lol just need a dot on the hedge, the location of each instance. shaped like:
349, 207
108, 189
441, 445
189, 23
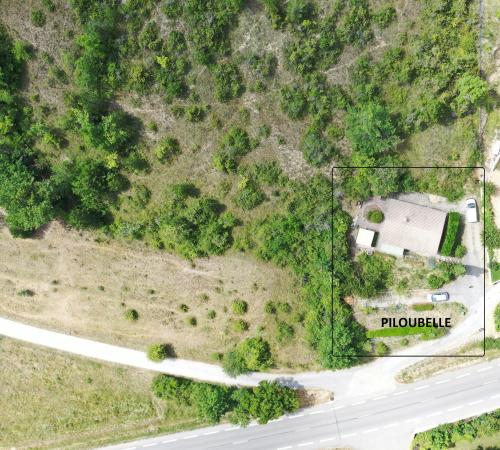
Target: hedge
423, 307
399, 331
451, 235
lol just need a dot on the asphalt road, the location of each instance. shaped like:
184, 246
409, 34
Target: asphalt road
386, 422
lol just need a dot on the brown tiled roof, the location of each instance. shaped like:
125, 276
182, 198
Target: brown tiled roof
412, 227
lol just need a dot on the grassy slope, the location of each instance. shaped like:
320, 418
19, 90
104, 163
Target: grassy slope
52, 400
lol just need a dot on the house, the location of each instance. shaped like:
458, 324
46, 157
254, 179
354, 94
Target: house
410, 227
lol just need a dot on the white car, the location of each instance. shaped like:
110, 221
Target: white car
471, 210
438, 297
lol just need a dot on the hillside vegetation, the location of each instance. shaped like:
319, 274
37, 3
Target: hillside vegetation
201, 126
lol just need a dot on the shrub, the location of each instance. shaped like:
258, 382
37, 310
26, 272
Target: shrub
26, 293
375, 216
422, 307
167, 150
252, 354
284, 307
211, 314
195, 113
191, 321
173, 388
239, 306
234, 145
131, 314
248, 195
228, 81
183, 307
293, 102
316, 149
38, 18
460, 251
374, 274
172, 8
385, 16
270, 307
285, 332
435, 281
381, 349
158, 352
49, 5
451, 234
240, 325
497, 317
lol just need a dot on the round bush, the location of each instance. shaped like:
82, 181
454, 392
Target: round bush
375, 216
131, 314
270, 307
240, 325
239, 307
381, 349
211, 314
192, 321
460, 251
158, 352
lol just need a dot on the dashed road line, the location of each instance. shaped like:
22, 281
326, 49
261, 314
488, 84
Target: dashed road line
425, 386
370, 430
296, 416
391, 425
462, 376
380, 398
358, 403
211, 432
232, 429
190, 437
476, 402
284, 448
150, 445
443, 381
455, 408
400, 393
434, 414
169, 441
495, 396
244, 441
130, 448
317, 412
327, 439
339, 407
305, 444
484, 369
349, 435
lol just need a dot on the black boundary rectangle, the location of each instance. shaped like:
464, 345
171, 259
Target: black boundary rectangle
484, 259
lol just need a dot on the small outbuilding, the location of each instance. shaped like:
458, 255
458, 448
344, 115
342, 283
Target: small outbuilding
365, 237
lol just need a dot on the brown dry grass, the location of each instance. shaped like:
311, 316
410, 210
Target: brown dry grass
53, 400
83, 287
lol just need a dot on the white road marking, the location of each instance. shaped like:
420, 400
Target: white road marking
304, 444
296, 416
349, 435
476, 402
455, 408
434, 414
169, 441
211, 432
462, 376
358, 403
240, 442
443, 381
150, 445
339, 407
380, 398
274, 420
370, 430
425, 386
317, 412
328, 439
495, 396
391, 425
484, 369
130, 448
232, 429
284, 448
400, 393
190, 437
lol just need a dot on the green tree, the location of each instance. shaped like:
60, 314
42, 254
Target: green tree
228, 81
271, 400
158, 352
212, 401
316, 149
471, 90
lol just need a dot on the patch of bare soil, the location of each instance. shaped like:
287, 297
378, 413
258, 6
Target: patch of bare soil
83, 287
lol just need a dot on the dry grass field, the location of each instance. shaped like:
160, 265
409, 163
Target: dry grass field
95, 403
83, 287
